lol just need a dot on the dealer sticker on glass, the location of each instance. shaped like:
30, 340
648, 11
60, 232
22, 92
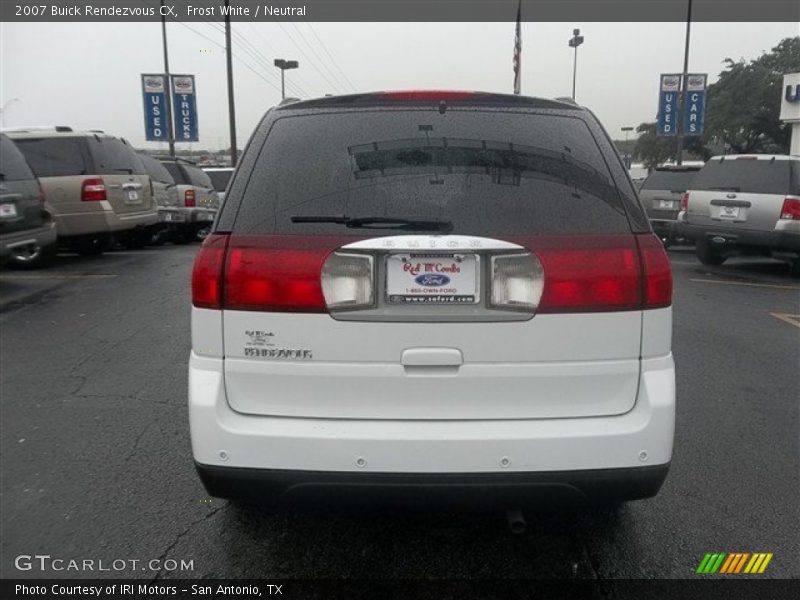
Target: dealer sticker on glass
432, 278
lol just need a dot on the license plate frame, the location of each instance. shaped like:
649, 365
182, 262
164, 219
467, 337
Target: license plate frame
432, 279
8, 210
729, 212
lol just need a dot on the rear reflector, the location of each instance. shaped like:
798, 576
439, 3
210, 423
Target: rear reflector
791, 208
93, 190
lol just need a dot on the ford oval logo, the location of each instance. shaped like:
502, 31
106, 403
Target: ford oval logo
432, 280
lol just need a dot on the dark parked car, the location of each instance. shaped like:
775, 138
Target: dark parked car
661, 195
27, 228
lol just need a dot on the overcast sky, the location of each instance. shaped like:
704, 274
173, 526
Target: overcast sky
87, 75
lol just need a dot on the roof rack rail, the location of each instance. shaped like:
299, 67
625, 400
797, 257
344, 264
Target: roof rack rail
288, 100
568, 100
21, 129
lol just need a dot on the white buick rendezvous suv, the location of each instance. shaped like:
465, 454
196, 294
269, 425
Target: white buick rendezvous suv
448, 296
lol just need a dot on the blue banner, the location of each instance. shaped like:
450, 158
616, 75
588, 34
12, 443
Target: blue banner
669, 92
155, 107
184, 108
694, 110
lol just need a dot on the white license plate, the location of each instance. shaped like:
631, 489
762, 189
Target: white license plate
205, 217
729, 212
172, 217
132, 197
668, 204
8, 211
432, 278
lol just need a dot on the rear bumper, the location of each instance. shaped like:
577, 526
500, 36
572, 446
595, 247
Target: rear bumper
779, 239
555, 488
223, 439
42, 236
102, 220
186, 216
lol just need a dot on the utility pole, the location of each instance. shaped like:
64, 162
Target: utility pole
682, 103
574, 42
231, 107
167, 85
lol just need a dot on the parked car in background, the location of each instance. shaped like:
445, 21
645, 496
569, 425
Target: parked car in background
744, 204
435, 304
196, 200
95, 184
220, 177
661, 195
27, 229
165, 193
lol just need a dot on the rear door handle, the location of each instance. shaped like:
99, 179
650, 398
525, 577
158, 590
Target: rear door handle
432, 357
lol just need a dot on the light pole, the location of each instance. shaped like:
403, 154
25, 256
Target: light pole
628, 155
283, 65
682, 103
574, 42
167, 85
229, 68
5, 108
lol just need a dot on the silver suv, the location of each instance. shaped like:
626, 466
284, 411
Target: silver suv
435, 295
194, 204
94, 182
744, 204
661, 195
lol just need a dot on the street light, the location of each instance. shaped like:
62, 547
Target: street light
627, 157
5, 108
283, 65
574, 42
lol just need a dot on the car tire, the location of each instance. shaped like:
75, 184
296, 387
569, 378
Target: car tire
708, 255
203, 233
33, 256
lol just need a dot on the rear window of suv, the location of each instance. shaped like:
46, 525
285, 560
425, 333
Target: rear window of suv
156, 169
55, 156
198, 177
114, 157
745, 175
674, 181
488, 172
12, 163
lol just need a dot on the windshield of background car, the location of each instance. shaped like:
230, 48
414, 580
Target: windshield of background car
12, 164
674, 181
198, 177
745, 175
55, 156
156, 170
176, 172
220, 179
488, 172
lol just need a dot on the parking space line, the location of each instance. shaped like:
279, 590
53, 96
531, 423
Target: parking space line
763, 285
58, 276
786, 318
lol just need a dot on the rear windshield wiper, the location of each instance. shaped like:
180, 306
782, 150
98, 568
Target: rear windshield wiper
378, 222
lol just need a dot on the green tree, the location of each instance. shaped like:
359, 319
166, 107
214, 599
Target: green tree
653, 150
743, 106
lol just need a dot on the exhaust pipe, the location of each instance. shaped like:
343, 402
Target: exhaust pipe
516, 521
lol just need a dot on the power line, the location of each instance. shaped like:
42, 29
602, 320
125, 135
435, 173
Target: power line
296, 75
317, 56
325, 48
296, 45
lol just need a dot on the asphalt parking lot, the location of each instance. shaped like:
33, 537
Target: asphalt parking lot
96, 461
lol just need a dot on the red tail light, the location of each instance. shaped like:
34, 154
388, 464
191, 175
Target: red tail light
188, 198
277, 273
93, 190
42, 197
656, 272
685, 201
207, 272
791, 208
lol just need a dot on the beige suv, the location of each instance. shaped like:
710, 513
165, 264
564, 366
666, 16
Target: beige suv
96, 185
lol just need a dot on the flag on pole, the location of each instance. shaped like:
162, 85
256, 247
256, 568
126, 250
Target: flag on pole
518, 51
